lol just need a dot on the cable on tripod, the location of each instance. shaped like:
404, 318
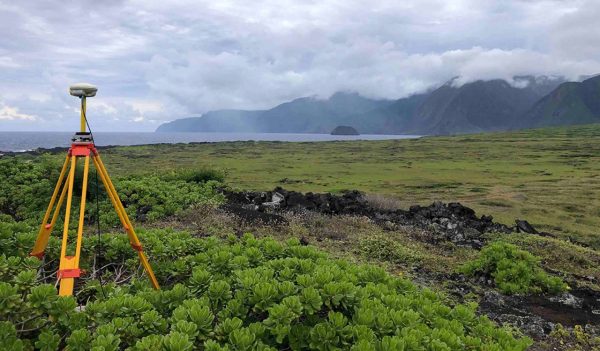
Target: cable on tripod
97, 204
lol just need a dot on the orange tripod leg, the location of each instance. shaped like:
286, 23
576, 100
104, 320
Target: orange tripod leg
67, 263
46, 228
116, 201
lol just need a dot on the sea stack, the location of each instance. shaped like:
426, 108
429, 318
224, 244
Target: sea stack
344, 130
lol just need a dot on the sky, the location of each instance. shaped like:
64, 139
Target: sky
155, 60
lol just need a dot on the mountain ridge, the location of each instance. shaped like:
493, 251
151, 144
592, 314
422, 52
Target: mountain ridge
455, 110
477, 106
305, 115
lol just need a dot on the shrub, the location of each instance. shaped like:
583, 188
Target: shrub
241, 294
27, 185
513, 270
151, 198
386, 249
202, 175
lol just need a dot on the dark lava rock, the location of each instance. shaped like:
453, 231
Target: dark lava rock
451, 222
525, 227
537, 315
141, 213
443, 222
508, 309
351, 202
344, 130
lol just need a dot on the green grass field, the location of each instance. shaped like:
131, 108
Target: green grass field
548, 176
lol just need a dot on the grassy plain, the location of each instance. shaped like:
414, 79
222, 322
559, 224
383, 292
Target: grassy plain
551, 177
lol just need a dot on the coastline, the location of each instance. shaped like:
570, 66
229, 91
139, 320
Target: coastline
110, 140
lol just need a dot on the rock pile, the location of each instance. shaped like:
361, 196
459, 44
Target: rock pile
443, 222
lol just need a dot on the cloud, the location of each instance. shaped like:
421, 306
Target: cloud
155, 61
8, 62
8, 113
576, 35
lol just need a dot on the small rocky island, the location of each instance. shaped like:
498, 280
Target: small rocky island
344, 130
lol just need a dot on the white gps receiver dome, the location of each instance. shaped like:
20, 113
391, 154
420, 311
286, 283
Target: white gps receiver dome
83, 89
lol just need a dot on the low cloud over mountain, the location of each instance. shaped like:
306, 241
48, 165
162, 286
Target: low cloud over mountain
478, 106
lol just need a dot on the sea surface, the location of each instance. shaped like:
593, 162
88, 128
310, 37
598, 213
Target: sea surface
26, 141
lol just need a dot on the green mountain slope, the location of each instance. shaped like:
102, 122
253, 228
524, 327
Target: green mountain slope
569, 104
478, 106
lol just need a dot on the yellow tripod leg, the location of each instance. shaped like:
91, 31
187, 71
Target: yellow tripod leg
61, 199
86, 168
116, 201
46, 228
42, 241
133, 239
67, 263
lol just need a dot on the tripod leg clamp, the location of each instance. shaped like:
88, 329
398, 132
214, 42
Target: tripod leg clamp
69, 273
137, 247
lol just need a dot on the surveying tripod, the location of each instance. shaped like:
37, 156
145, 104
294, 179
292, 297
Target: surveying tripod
82, 147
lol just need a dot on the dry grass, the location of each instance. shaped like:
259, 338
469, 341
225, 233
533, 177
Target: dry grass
383, 202
355, 238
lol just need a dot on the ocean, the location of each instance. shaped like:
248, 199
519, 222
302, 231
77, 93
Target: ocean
26, 141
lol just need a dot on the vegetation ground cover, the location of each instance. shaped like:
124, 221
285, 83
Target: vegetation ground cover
278, 297
183, 193
239, 294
